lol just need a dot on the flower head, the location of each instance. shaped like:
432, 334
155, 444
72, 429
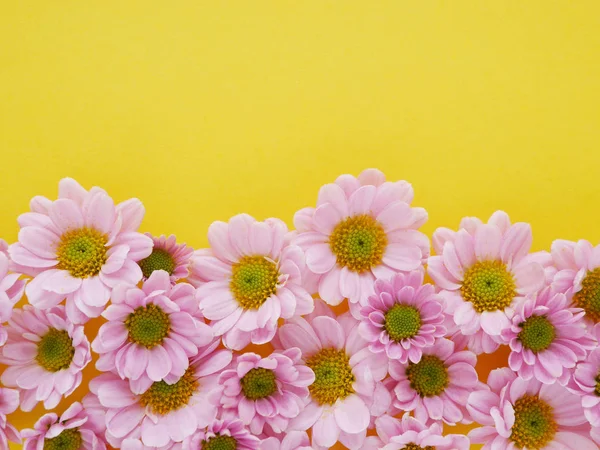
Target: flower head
223, 434
11, 289
169, 256
9, 402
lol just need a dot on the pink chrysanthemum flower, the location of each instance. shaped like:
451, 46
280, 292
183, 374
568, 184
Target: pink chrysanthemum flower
9, 402
222, 434
586, 382
347, 391
547, 338
45, 353
520, 414
151, 331
169, 256
402, 317
79, 247
409, 433
72, 431
254, 278
269, 390
11, 289
437, 387
482, 270
362, 228
292, 440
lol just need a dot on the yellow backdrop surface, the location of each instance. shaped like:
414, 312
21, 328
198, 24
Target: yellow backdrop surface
205, 109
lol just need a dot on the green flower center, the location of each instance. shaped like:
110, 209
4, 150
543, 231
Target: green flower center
358, 243
489, 286
534, 426
428, 377
148, 325
82, 252
162, 398
333, 376
258, 383
588, 297
416, 447
597, 389
537, 333
219, 443
402, 322
55, 350
69, 439
253, 281
159, 259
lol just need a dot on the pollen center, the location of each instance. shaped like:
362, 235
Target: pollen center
597, 389
358, 243
69, 439
537, 333
82, 252
588, 297
258, 383
489, 286
333, 376
402, 322
55, 350
417, 447
428, 377
534, 426
219, 443
148, 325
159, 259
163, 398
253, 281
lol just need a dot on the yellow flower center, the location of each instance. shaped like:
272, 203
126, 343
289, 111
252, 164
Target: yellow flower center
588, 297
428, 377
159, 259
253, 281
416, 447
534, 426
537, 333
163, 398
258, 383
219, 443
69, 439
55, 350
402, 322
82, 252
489, 286
148, 325
333, 376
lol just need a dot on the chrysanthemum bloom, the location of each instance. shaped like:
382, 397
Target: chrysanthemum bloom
437, 387
586, 382
547, 338
72, 431
254, 279
9, 402
402, 317
520, 414
362, 228
45, 354
347, 391
11, 290
166, 412
269, 390
482, 270
292, 440
169, 256
152, 331
225, 434
79, 247
409, 433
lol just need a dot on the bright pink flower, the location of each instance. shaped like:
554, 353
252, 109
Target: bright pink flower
347, 391
46, 354
362, 228
402, 317
254, 278
223, 434
547, 338
586, 384
71, 430
169, 256
518, 414
437, 387
482, 271
152, 332
292, 440
11, 289
79, 247
269, 390
9, 402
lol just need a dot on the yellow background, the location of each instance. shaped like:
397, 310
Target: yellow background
204, 109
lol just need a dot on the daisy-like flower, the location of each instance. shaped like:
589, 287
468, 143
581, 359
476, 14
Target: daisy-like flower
45, 354
362, 228
402, 317
520, 414
223, 434
437, 387
547, 338
586, 382
79, 247
151, 332
254, 278
11, 289
269, 390
9, 402
166, 412
347, 391
292, 440
169, 256
482, 271
72, 431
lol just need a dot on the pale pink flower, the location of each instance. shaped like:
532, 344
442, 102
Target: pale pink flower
254, 278
292, 440
79, 247
482, 271
361, 229
520, 414
586, 382
403, 316
151, 332
11, 289
169, 256
9, 402
266, 391
547, 338
71, 429
223, 433
45, 354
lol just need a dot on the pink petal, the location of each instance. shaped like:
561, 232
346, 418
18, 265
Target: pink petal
361, 200
261, 238
99, 212
400, 257
516, 243
326, 218
488, 239
329, 332
40, 241
132, 212
329, 287
218, 236
159, 363
320, 259
352, 415
326, 431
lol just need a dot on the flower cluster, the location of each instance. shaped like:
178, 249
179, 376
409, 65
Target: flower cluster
247, 344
